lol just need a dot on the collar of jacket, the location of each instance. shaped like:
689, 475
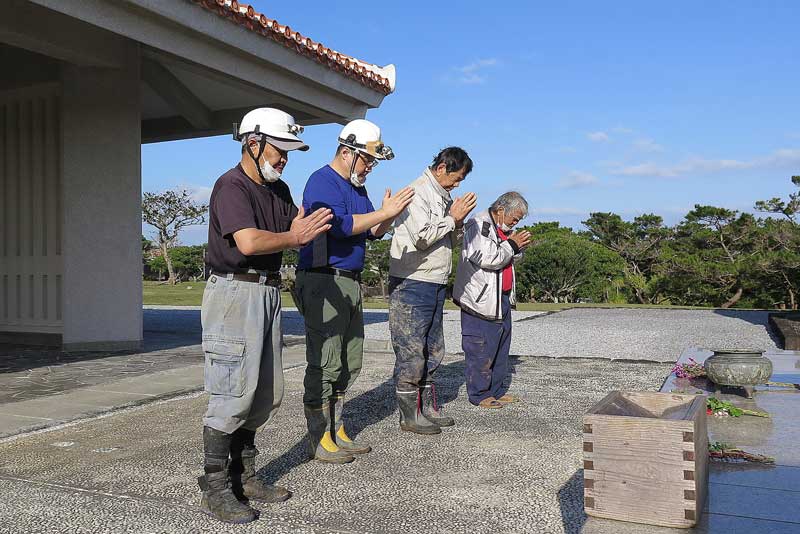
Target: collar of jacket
484, 216
436, 185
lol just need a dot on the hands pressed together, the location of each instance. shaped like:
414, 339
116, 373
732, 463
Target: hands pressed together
393, 205
521, 238
462, 206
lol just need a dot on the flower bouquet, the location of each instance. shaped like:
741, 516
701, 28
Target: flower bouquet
690, 369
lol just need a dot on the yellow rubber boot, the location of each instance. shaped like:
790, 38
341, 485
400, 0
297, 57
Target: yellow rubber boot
342, 439
321, 444
328, 444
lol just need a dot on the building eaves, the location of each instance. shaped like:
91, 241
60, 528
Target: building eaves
381, 79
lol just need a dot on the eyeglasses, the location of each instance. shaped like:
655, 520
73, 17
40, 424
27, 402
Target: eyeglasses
370, 161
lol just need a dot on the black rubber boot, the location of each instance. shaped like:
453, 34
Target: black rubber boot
430, 407
218, 499
411, 418
340, 436
321, 445
246, 485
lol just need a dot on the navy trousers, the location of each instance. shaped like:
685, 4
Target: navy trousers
486, 345
416, 311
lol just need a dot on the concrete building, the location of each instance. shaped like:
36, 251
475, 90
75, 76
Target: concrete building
84, 83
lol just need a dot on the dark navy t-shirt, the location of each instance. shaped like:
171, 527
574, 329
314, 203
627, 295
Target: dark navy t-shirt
337, 248
237, 202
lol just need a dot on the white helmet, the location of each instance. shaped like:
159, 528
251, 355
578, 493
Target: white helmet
277, 126
365, 136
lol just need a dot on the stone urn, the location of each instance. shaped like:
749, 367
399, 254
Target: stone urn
743, 368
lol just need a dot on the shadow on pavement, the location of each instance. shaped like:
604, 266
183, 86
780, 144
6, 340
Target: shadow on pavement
570, 500
374, 406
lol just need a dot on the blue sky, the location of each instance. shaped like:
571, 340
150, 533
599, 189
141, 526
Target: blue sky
628, 107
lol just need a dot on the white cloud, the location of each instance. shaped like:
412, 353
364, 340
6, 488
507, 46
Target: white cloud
199, 193
472, 73
647, 145
555, 210
598, 137
577, 180
786, 157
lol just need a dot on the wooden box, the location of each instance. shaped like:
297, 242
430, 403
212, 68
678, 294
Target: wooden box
645, 458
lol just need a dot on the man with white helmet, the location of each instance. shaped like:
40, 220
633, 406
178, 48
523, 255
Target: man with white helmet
252, 220
328, 290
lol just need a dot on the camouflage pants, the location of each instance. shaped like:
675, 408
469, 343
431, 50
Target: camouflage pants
416, 311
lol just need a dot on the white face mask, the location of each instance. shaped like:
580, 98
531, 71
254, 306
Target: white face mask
269, 172
504, 227
356, 181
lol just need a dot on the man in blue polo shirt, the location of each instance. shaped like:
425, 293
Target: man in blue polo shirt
328, 289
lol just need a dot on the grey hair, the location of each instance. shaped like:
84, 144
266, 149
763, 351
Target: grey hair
510, 202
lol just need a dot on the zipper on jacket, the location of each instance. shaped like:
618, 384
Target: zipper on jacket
485, 287
499, 293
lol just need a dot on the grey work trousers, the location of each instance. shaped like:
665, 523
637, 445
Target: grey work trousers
242, 346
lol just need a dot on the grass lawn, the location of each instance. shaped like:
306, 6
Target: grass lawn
191, 294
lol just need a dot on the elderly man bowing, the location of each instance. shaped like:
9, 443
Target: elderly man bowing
484, 290
421, 257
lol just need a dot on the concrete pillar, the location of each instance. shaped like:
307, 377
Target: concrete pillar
101, 188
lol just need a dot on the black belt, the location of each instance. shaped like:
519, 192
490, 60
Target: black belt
273, 278
354, 275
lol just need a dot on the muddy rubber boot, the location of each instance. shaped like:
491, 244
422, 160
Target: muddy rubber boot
218, 499
411, 418
246, 485
431, 409
340, 436
321, 445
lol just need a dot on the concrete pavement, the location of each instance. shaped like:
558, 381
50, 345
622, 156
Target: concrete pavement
517, 469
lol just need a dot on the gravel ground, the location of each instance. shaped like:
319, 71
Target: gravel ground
517, 469
614, 333
619, 333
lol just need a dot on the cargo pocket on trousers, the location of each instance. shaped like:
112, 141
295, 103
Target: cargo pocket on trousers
224, 370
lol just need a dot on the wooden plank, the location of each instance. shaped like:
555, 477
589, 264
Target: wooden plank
700, 452
646, 469
603, 402
659, 403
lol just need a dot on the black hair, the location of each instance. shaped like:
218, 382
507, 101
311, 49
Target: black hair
454, 158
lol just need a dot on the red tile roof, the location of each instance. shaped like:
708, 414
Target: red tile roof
380, 79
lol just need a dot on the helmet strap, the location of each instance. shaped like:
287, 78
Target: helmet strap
262, 143
356, 155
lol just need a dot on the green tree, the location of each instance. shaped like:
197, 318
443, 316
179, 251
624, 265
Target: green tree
376, 263
169, 212
789, 208
638, 243
562, 266
707, 262
187, 262
780, 260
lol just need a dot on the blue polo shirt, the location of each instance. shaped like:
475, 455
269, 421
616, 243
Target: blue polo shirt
336, 248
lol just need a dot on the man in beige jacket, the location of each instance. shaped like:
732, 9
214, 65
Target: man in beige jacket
420, 265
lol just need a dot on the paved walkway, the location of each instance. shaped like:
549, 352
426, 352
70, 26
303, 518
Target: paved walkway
512, 470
